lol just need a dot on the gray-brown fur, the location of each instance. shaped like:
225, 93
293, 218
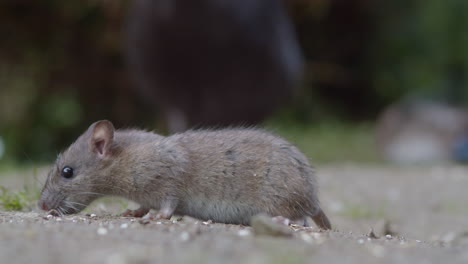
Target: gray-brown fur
225, 175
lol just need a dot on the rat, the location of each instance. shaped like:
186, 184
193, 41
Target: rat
226, 175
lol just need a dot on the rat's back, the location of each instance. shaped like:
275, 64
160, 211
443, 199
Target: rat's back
237, 173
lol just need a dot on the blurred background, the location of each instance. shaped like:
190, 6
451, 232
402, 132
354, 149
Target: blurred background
346, 80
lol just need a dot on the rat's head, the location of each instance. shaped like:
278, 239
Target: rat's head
81, 173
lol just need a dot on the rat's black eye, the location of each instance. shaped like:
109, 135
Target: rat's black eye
67, 172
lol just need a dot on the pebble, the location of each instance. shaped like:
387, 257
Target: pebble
449, 237
207, 222
124, 225
316, 235
243, 232
102, 231
184, 236
377, 250
307, 238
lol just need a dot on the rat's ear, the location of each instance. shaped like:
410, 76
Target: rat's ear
102, 135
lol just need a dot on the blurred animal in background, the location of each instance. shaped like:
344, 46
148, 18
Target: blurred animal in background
423, 131
213, 62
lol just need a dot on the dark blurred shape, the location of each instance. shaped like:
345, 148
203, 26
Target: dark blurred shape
213, 62
461, 149
423, 131
336, 37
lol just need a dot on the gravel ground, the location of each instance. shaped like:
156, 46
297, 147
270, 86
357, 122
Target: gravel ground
423, 208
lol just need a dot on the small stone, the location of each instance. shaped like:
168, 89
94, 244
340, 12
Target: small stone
185, 236
124, 225
316, 235
450, 237
207, 222
243, 232
388, 236
377, 250
360, 241
102, 231
92, 215
307, 238
144, 221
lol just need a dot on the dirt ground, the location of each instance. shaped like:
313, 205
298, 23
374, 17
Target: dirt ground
423, 208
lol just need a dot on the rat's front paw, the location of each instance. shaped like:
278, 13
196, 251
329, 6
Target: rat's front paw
165, 213
140, 212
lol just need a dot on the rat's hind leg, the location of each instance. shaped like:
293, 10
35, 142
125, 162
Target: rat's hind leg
321, 220
140, 212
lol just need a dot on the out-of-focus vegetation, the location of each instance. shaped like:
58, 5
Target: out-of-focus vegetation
328, 141
420, 48
61, 68
18, 200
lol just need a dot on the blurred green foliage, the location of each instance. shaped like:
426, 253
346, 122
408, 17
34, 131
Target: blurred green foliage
18, 200
327, 141
61, 68
420, 49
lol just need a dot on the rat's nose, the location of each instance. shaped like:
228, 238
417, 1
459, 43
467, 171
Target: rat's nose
43, 206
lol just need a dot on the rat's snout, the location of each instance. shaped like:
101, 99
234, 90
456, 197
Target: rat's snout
43, 205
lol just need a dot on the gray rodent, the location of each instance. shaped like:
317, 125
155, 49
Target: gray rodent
226, 175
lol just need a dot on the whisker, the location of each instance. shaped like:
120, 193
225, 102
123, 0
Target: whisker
71, 204
60, 210
94, 193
